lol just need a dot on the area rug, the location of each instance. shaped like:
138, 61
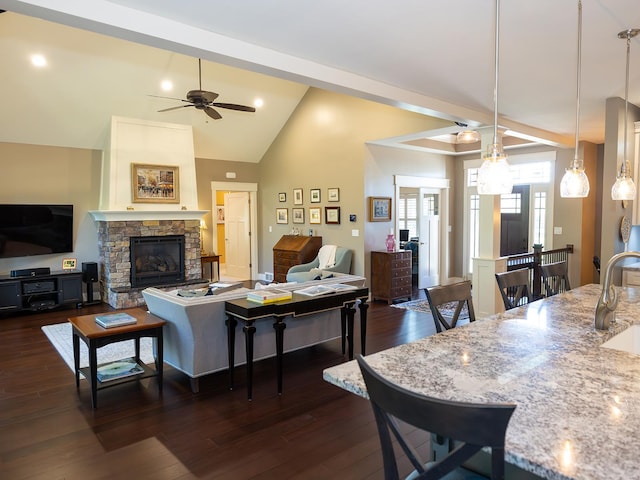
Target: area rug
423, 306
60, 337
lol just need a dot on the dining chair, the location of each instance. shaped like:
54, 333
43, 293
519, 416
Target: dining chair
514, 288
471, 426
555, 277
447, 302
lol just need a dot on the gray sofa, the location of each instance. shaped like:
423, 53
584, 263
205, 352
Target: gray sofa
195, 336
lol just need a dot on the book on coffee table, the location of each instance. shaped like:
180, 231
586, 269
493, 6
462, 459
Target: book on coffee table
119, 369
115, 320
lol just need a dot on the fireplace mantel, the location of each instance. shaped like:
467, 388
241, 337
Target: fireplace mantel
141, 215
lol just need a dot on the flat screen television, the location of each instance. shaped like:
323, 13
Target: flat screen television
35, 229
404, 235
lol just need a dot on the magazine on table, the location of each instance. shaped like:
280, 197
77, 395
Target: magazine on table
115, 320
119, 369
316, 290
270, 295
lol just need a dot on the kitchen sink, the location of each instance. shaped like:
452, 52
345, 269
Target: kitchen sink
627, 340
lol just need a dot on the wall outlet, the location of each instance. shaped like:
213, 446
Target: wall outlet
557, 230
355, 232
268, 276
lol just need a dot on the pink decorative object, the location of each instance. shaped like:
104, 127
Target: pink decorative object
391, 243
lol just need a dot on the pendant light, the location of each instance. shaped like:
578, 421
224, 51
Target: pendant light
575, 183
625, 188
466, 135
494, 177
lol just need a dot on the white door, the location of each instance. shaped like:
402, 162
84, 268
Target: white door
429, 235
237, 235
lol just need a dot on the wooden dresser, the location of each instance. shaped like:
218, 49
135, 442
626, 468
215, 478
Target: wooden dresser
293, 250
391, 275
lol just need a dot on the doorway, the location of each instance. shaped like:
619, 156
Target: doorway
240, 220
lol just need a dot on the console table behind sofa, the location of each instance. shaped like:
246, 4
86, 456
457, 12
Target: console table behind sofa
195, 336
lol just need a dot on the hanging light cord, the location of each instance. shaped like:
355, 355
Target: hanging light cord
626, 106
495, 89
575, 157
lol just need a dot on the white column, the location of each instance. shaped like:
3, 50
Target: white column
486, 296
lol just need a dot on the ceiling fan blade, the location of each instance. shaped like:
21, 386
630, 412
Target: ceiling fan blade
212, 113
233, 106
175, 108
168, 98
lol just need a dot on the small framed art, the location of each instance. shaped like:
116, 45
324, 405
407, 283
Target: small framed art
315, 215
297, 215
332, 215
282, 215
68, 264
315, 195
282, 197
379, 209
219, 214
297, 196
333, 194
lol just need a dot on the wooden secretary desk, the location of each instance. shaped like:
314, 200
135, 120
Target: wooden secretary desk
293, 250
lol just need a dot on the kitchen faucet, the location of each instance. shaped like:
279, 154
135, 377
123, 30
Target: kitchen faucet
608, 300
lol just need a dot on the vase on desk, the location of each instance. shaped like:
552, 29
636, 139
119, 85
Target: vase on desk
391, 243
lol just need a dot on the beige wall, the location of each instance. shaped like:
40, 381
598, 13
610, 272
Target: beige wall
42, 174
324, 146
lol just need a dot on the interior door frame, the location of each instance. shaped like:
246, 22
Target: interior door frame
443, 185
252, 188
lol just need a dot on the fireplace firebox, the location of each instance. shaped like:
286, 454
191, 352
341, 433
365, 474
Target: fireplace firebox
157, 260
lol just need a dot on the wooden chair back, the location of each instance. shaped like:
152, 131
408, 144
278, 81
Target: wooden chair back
472, 426
514, 287
555, 277
456, 295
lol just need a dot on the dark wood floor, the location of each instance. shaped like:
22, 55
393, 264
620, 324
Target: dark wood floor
313, 431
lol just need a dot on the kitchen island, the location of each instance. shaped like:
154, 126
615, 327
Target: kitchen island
578, 404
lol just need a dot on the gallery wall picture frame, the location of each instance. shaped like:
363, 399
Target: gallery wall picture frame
219, 213
155, 183
333, 194
297, 196
297, 215
379, 209
314, 195
315, 217
282, 215
332, 215
282, 197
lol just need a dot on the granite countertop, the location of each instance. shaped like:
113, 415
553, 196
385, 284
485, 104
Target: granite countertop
578, 413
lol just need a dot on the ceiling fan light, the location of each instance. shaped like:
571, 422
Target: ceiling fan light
624, 188
494, 176
467, 136
575, 183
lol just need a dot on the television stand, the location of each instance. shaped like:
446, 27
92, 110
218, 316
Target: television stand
41, 292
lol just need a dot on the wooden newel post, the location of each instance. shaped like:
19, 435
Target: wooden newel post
537, 274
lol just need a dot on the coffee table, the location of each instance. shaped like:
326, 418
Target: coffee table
86, 329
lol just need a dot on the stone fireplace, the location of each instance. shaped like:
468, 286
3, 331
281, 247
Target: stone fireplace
118, 283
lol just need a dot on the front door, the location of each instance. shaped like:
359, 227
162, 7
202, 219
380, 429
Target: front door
237, 233
514, 221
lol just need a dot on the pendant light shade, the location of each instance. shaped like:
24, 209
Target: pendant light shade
625, 188
575, 183
494, 177
467, 136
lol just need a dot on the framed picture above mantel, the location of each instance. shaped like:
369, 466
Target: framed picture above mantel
155, 183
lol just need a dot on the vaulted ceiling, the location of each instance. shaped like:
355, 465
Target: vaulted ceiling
434, 57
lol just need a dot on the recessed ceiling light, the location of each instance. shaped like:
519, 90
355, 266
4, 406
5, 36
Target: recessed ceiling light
258, 102
166, 85
38, 60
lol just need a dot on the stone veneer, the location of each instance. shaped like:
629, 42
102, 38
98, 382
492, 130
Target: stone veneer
114, 243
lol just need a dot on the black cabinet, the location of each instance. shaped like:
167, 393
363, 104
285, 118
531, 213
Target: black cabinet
40, 292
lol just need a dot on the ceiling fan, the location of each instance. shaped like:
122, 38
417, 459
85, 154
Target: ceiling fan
204, 100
